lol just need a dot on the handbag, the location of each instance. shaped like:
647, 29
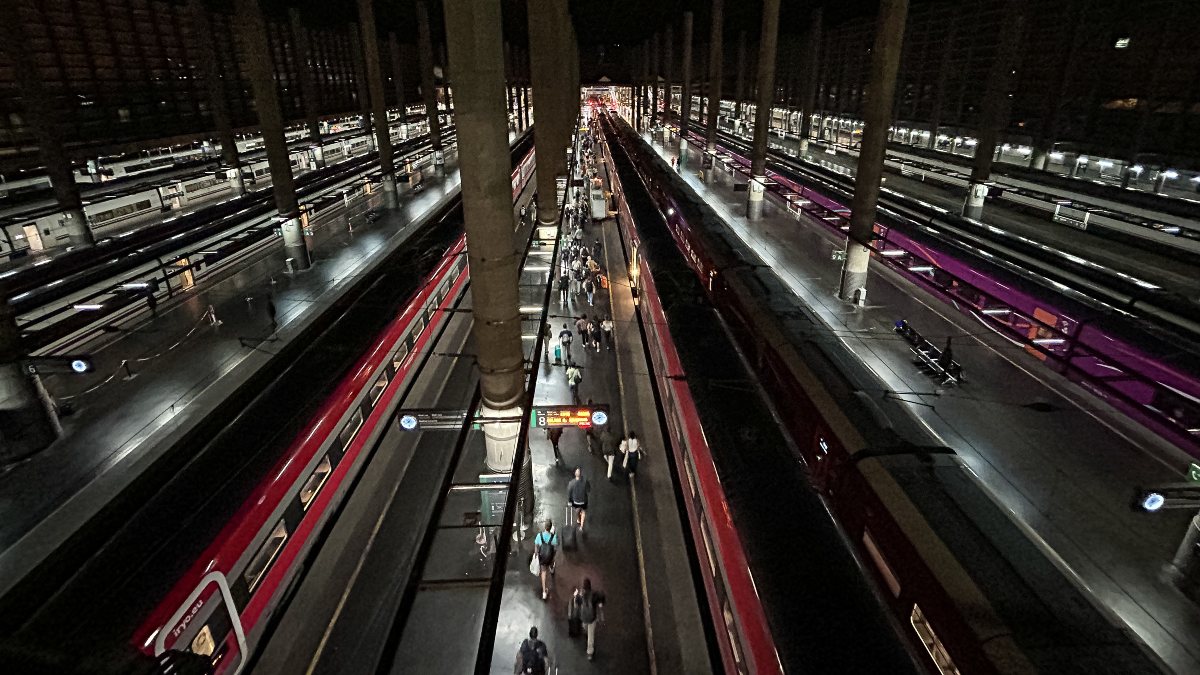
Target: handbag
535, 567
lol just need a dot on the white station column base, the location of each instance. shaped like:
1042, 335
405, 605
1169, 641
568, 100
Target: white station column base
30, 423
853, 286
234, 176
76, 224
390, 200
294, 243
756, 189
500, 438
976, 195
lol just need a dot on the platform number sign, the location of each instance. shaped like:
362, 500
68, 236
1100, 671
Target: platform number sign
1193, 472
582, 416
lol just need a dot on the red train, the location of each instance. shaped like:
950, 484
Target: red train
745, 642
220, 606
970, 591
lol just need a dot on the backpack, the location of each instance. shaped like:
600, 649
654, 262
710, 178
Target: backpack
532, 660
565, 337
545, 549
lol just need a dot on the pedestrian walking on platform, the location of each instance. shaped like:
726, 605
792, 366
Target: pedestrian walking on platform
594, 330
547, 338
533, 658
545, 547
631, 454
564, 288
554, 434
564, 339
581, 327
587, 606
577, 497
589, 287
574, 377
606, 327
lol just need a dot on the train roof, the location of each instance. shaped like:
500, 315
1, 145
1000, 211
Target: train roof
1049, 616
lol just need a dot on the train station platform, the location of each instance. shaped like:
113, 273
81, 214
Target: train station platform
170, 369
1170, 268
1062, 462
349, 613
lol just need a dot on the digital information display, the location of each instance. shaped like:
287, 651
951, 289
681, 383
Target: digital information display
549, 416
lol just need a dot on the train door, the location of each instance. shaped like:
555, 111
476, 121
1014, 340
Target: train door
220, 637
33, 237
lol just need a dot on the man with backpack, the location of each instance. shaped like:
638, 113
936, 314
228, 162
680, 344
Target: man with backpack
532, 656
587, 607
564, 339
574, 377
545, 546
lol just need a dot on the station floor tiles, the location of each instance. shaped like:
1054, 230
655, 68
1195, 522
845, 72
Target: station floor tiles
181, 365
1067, 473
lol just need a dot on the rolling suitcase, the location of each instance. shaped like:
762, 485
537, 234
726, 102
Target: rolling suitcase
569, 531
558, 355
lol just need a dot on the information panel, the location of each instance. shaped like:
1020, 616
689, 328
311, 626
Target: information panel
548, 416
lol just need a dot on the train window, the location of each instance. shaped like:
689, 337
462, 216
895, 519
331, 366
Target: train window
262, 560
314, 483
889, 577
351, 428
378, 388
418, 326
937, 651
398, 359
204, 644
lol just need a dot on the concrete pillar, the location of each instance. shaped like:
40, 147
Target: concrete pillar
308, 84
812, 55
428, 90
398, 81
557, 106
374, 70
654, 78
210, 70
994, 115
739, 94
361, 92
28, 422
252, 34
44, 112
473, 30
647, 111
885, 61
668, 72
685, 95
762, 112
715, 56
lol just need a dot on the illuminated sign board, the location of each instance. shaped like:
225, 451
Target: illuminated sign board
548, 416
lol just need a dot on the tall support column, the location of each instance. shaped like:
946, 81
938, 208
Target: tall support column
252, 34
647, 111
473, 31
383, 134
210, 70
739, 94
28, 422
361, 91
428, 90
668, 72
549, 67
994, 115
685, 94
398, 82
715, 58
762, 111
308, 84
885, 61
45, 114
943, 74
812, 55
654, 78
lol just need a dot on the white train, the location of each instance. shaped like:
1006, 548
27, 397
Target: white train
151, 202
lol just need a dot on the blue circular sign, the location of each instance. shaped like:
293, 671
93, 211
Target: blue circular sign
1153, 501
408, 422
80, 366
599, 418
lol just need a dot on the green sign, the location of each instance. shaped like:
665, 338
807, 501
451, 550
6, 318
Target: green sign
1193, 473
